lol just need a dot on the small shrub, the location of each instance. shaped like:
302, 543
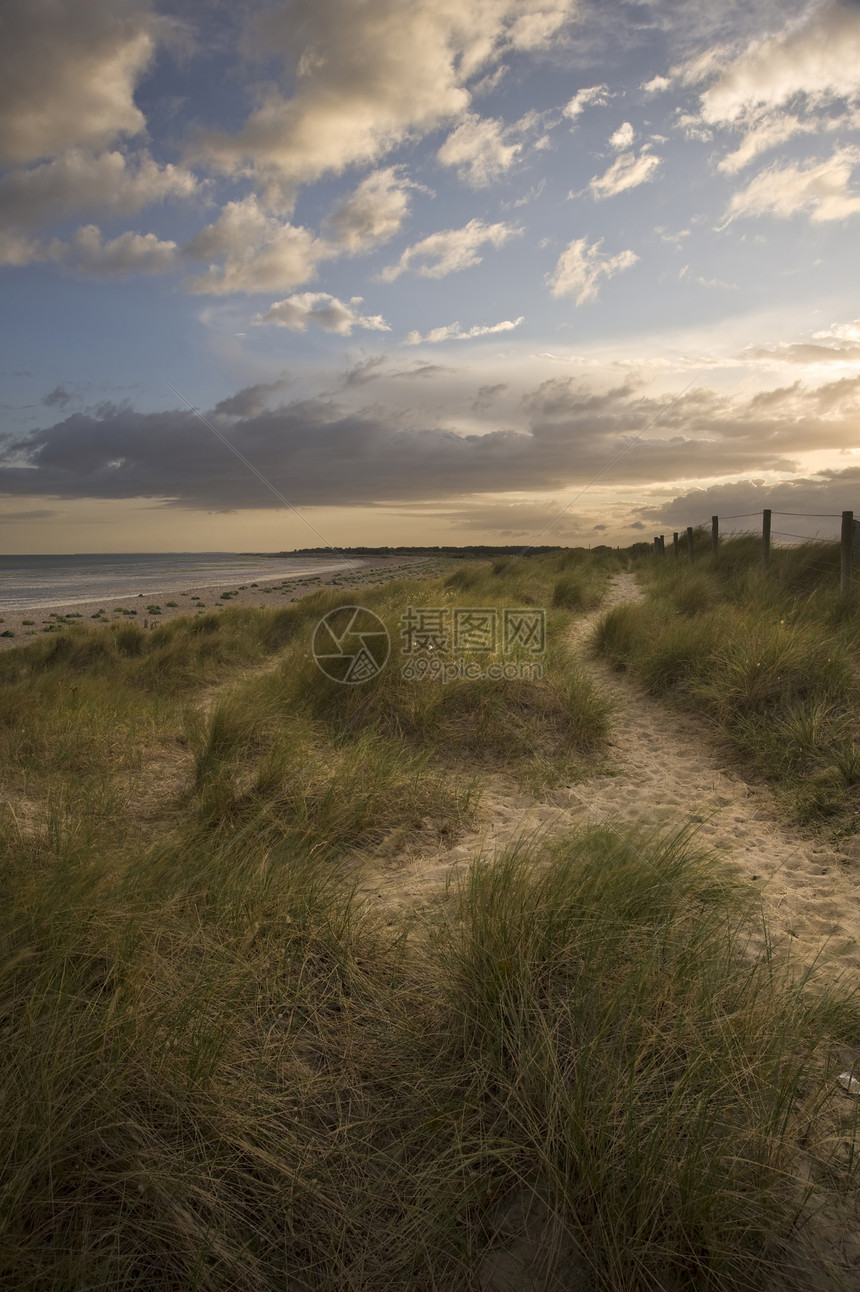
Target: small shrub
576, 591
129, 639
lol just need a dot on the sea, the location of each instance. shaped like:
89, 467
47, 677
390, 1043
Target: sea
29, 582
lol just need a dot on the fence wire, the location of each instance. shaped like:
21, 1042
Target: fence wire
843, 558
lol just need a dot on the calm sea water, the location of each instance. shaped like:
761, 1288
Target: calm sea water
27, 582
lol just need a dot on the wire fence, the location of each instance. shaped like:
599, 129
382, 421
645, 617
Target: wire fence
839, 553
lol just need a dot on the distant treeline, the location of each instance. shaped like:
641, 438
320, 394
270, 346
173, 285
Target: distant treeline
417, 551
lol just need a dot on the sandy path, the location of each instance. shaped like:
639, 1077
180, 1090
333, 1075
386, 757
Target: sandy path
664, 770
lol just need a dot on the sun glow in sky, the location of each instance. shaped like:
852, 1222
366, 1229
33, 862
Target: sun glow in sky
428, 265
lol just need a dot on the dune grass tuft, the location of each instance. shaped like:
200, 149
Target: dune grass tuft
773, 660
221, 1068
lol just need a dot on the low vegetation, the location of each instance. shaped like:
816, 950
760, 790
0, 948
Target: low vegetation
227, 1063
773, 660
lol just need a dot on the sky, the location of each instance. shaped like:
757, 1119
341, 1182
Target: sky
382, 272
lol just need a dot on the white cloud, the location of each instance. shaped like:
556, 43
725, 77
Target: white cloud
15, 249
80, 180
257, 252
580, 269
478, 152
373, 212
836, 345
130, 253
773, 129
715, 282
817, 57
781, 85
68, 70
450, 250
656, 85
453, 332
627, 171
692, 127
332, 315
623, 137
839, 332
591, 96
368, 76
822, 189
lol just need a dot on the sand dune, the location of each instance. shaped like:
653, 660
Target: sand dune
665, 770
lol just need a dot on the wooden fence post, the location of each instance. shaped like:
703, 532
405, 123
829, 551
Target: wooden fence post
847, 561
675, 545
715, 531
690, 544
662, 545
765, 540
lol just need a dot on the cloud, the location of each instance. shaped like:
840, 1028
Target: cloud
326, 311
580, 268
805, 352
17, 250
33, 513
68, 71
368, 76
769, 131
623, 137
373, 213
59, 397
656, 85
627, 171
819, 188
817, 57
250, 400
449, 251
453, 332
596, 96
80, 180
840, 332
478, 152
822, 497
130, 253
339, 449
87, 252
782, 85
521, 521
258, 252
839, 343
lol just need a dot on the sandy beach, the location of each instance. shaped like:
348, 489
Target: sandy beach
182, 597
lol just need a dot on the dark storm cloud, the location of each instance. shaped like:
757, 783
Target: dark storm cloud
319, 452
59, 397
812, 504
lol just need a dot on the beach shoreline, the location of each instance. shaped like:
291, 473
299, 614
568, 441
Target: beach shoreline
184, 597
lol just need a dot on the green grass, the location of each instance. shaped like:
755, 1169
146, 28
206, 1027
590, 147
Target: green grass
222, 1069
774, 661
225, 1062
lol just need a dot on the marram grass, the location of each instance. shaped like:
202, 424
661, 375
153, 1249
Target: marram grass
223, 1066
226, 1070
